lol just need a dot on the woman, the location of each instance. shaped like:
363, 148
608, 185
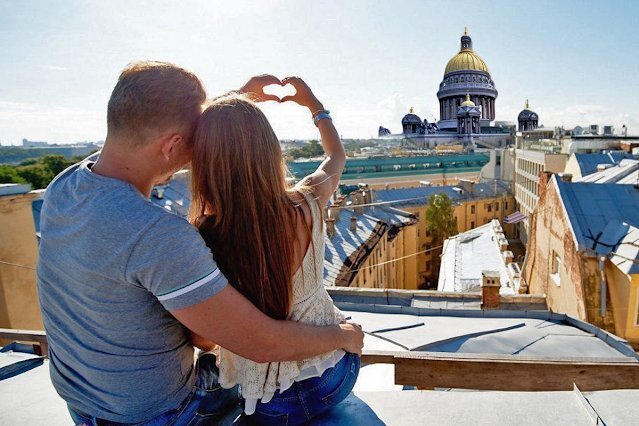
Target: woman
273, 248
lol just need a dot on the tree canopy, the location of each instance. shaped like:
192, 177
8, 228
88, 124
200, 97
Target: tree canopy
441, 223
38, 172
312, 149
440, 217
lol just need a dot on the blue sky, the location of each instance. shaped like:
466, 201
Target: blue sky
368, 61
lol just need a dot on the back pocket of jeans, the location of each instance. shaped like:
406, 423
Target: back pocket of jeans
346, 385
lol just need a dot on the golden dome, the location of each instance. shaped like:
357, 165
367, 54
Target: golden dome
466, 60
468, 102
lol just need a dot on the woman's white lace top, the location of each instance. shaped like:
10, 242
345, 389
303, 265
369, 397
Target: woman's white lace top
311, 304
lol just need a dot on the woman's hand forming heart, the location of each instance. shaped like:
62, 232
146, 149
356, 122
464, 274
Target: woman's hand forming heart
254, 88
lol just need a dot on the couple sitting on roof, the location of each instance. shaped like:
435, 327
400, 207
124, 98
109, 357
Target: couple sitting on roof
128, 289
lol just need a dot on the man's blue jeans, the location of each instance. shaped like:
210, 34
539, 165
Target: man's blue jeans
205, 405
307, 399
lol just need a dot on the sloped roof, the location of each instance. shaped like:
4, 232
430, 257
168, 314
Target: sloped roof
624, 172
419, 195
588, 162
467, 254
347, 250
604, 219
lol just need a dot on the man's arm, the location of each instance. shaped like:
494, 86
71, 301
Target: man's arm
230, 320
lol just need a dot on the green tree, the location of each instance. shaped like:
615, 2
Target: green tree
440, 224
38, 172
56, 163
9, 174
37, 175
312, 149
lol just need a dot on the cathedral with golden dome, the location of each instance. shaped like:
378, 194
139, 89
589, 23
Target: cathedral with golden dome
467, 96
466, 75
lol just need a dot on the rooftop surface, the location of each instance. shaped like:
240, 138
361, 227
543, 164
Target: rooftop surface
604, 218
624, 172
408, 321
467, 254
419, 195
588, 162
394, 321
22, 393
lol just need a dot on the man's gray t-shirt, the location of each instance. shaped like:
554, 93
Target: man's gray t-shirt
111, 266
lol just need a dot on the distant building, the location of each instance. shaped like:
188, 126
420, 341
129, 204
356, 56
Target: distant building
468, 254
466, 97
33, 144
529, 164
381, 171
474, 204
584, 252
527, 119
466, 75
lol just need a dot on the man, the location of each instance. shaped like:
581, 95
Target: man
121, 282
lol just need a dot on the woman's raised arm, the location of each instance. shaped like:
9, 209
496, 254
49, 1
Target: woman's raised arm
326, 178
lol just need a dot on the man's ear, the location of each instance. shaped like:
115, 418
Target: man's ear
170, 145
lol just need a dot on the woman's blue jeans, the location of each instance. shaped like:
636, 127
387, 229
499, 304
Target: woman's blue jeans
206, 404
307, 399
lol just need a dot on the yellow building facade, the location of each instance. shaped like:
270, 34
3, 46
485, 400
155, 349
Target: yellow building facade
411, 260
19, 307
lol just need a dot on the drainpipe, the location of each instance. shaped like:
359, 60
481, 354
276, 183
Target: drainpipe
603, 286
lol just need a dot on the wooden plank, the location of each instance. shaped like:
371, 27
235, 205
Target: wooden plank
29, 336
378, 357
428, 370
23, 335
515, 374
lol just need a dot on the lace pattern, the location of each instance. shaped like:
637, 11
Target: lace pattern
311, 305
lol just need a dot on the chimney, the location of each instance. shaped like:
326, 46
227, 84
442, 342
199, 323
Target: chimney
565, 177
490, 285
467, 185
353, 226
358, 198
330, 227
508, 257
333, 211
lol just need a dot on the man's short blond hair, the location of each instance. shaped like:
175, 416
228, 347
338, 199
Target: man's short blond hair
152, 97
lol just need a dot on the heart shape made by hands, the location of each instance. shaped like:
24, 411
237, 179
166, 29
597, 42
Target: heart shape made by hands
279, 90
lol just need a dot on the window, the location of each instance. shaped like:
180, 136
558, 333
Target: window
472, 209
490, 207
496, 206
472, 225
506, 205
555, 268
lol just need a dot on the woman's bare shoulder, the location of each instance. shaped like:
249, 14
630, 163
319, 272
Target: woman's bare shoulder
301, 205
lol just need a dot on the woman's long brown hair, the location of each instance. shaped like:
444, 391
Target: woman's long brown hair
241, 203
